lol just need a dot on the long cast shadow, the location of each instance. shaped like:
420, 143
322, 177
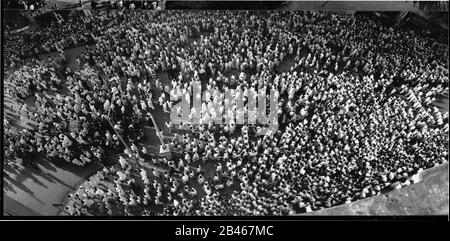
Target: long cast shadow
45, 163
13, 207
52, 178
17, 184
7, 187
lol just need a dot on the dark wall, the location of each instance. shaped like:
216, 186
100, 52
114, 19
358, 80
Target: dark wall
224, 5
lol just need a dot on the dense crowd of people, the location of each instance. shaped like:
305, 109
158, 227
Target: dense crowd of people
25, 4
356, 110
95, 4
131, 4
56, 36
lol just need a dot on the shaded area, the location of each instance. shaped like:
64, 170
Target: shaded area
39, 189
12, 207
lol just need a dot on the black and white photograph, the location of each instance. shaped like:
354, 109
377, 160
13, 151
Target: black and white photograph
30, 5
205, 109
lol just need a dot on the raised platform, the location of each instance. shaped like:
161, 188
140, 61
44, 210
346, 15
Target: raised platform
427, 197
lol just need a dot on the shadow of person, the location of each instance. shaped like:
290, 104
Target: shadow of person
53, 178
8, 187
17, 184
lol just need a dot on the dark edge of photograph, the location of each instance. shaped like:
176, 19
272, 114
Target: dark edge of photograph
225, 120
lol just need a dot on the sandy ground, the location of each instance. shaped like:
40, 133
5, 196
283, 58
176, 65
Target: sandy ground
39, 191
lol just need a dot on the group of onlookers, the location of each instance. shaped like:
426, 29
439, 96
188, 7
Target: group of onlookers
355, 110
